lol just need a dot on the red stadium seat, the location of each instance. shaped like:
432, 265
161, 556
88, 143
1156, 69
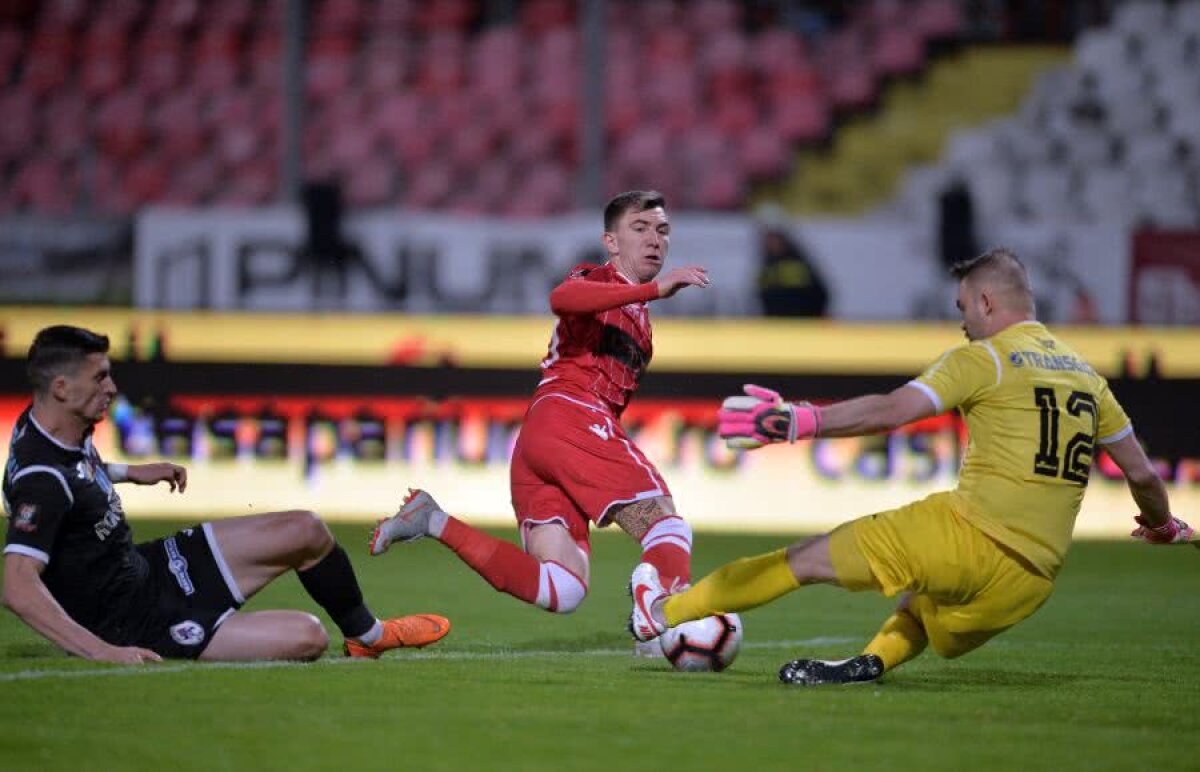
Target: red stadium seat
371, 183
231, 15
538, 16
66, 121
44, 185
121, 125
442, 67
446, 15
938, 19
898, 51
802, 119
254, 184
494, 182
708, 17
104, 64
853, 87
217, 65
12, 46
430, 186
391, 20
175, 16
159, 63
720, 187
49, 62
385, 70
121, 14
342, 18
19, 127
764, 153
777, 49
194, 182
266, 59
736, 115
63, 15
178, 122
472, 146
146, 181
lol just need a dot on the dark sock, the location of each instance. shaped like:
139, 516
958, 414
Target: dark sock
333, 585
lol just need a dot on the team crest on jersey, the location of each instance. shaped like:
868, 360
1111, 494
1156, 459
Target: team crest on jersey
188, 633
23, 518
1046, 343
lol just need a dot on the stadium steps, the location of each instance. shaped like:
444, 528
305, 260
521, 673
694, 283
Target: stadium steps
868, 154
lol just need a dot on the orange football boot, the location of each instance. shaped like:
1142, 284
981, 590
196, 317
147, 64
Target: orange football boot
413, 632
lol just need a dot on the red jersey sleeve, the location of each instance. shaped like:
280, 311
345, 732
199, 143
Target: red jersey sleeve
577, 295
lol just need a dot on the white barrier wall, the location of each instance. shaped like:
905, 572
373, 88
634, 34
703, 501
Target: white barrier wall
877, 270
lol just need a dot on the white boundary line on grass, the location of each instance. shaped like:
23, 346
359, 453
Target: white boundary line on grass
423, 656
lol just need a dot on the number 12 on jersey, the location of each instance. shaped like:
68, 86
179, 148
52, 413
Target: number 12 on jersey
1078, 451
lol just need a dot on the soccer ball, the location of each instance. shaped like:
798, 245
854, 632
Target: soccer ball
708, 644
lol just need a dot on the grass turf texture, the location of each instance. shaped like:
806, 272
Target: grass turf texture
1105, 676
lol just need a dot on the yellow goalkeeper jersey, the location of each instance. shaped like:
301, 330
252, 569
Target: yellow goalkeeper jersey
1035, 412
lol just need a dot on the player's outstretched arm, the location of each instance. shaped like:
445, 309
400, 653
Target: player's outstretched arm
1156, 525
579, 296
876, 413
162, 471
761, 416
26, 596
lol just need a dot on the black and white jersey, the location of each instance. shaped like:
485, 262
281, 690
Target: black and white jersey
64, 511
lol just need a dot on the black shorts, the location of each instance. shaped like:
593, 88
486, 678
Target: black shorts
188, 593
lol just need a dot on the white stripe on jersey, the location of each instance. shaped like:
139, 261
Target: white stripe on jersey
47, 470
928, 392
995, 358
219, 558
33, 552
1117, 437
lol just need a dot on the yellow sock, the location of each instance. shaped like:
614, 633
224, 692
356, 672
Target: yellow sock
737, 586
900, 639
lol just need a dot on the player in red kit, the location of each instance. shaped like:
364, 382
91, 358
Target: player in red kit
573, 464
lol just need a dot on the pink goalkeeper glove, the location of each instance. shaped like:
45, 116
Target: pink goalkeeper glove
762, 417
1174, 531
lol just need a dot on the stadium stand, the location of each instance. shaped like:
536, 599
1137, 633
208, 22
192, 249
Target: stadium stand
1113, 136
113, 104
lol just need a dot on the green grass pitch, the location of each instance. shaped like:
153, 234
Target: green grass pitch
1105, 676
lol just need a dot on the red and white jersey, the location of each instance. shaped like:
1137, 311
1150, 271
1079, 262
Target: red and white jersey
602, 343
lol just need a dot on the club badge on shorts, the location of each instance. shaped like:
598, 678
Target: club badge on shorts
188, 633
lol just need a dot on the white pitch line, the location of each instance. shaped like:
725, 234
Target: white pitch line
424, 656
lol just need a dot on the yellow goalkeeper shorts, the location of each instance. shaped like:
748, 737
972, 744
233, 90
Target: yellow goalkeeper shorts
965, 587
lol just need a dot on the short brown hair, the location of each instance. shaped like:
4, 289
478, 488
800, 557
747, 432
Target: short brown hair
631, 201
1002, 270
990, 259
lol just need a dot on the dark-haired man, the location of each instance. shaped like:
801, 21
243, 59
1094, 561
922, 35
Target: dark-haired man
573, 464
971, 562
73, 573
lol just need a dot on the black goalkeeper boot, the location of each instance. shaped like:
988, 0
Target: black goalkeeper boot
810, 672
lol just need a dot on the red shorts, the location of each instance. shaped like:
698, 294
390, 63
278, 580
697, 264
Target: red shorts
572, 463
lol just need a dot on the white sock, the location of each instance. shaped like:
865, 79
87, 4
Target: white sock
437, 523
372, 636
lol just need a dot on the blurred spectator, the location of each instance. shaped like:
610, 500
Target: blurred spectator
956, 223
788, 281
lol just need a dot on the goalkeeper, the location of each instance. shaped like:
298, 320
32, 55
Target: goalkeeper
969, 563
